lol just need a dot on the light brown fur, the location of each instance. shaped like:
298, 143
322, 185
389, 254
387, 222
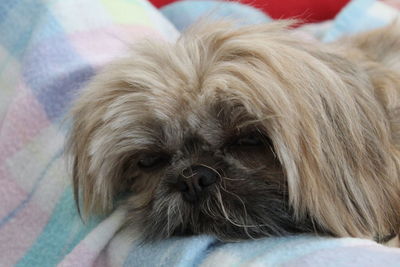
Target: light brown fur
331, 111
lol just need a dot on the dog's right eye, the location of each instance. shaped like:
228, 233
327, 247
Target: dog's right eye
249, 140
152, 161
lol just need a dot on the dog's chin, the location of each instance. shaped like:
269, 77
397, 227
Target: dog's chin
227, 216
223, 229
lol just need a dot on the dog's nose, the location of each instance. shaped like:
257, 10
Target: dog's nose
194, 181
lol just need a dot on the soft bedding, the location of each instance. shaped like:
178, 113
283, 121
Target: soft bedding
48, 50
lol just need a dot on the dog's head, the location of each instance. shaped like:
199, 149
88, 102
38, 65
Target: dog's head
236, 133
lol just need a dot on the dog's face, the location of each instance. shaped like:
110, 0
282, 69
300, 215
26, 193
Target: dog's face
208, 167
237, 133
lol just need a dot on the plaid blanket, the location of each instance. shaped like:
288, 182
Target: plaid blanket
48, 50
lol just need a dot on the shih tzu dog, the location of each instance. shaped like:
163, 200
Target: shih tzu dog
244, 133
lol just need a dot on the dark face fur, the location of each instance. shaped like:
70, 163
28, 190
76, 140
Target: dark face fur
217, 175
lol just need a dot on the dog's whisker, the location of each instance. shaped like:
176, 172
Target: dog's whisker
187, 176
233, 179
180, 214
169, 220
241, 201
225, 213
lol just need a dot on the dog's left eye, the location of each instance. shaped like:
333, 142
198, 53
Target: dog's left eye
152, 161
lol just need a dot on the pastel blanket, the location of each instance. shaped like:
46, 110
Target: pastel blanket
48, 51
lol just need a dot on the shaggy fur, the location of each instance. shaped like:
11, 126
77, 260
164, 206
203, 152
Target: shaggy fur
323, 123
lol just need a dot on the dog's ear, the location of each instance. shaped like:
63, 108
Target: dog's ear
329, 132
93, 189
378, 53
386, 83
349, 152
93, 147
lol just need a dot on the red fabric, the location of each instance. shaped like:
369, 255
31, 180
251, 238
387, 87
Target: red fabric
307, 10
161, 3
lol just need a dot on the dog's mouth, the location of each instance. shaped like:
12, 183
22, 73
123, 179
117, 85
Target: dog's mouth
226, 215
226, 230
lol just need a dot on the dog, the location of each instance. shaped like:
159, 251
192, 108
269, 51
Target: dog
244, 133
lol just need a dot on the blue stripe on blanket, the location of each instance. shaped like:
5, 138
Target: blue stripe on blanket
184, 13
198, 250
16, 21
43, 252
177, 252
56, 89
35, 187
354, 18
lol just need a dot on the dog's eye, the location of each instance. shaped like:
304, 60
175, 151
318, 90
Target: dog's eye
249, 140
152, 161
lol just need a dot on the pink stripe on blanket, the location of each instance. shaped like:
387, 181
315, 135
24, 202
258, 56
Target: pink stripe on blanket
20, 232
89, 252
109, 42
82, 257
392, 3
24, 119
11, 194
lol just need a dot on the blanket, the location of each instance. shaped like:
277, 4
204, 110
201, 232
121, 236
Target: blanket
48, 51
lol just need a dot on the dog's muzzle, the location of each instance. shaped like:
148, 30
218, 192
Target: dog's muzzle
195, 181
